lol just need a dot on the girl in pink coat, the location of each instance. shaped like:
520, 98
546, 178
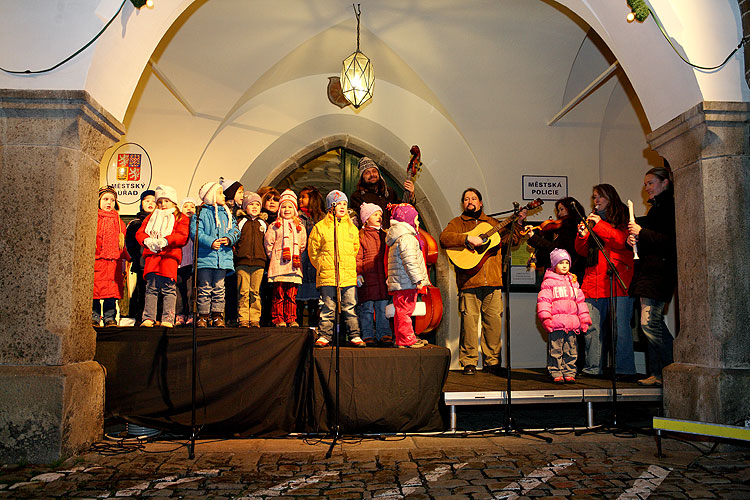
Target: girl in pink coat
561, 308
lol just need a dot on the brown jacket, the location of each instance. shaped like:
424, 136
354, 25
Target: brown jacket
488, 274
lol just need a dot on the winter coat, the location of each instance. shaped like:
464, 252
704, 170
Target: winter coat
249, 249
595, 281
321, 251
208, 258
561, 305
285, 234
135, 250
167, 261
564, 237
406, 267
491, 272
109, 264
371, 264
656, 269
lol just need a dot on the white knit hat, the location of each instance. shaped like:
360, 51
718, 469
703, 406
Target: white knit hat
288, 195
167, 192
207, 192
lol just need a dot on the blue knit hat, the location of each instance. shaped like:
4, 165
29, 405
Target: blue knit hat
335, 197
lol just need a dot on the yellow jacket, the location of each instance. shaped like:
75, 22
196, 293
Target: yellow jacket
320, 251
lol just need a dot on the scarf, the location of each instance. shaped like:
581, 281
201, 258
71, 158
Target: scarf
161, 223
109, 234
289, 242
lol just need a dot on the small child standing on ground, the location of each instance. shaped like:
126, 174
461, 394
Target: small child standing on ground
284, 242
217, 234
250, 260
336, 230
163, 234
110, 257
407, 272
561, 308
185, 271
372, 291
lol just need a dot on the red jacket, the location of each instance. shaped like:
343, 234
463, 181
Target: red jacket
371, 264
595, 281
109, 270
166, 262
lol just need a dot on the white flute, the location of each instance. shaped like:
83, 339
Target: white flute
632, 219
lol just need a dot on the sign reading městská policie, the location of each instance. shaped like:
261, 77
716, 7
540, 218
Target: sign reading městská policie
546, 187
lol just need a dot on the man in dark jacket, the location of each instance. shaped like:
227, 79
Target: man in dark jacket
480, 295
373, 189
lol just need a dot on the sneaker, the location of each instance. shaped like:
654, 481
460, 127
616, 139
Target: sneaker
110, 323
416, 345
651, 381
559, 380
189, 319
570, 380
95, 323
203, 321
386, 341
217, 320
147, 323
280, 325
470, 369
322, 342
293, 324
244, 324
254, 325
167, 324
179, 320
357, 342
370, 342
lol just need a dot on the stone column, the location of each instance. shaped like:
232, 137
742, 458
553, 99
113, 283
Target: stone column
51, 390
708, 149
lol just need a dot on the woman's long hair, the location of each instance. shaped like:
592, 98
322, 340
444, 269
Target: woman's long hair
315, 203
574, 208
616, 212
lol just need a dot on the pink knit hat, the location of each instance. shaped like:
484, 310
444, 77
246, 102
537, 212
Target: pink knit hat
403, 212
366, 211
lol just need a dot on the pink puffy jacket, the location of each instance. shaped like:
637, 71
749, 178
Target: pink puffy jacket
560, 304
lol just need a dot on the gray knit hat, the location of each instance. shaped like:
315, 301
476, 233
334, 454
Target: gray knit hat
366, 163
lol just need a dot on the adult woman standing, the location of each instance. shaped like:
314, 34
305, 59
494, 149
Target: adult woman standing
609, 221
567, 213
655, 270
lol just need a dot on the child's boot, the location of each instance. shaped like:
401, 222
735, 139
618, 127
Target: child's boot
203, 320
217, 320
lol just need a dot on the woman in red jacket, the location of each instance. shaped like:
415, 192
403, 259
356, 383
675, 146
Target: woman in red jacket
609, 221
164, 232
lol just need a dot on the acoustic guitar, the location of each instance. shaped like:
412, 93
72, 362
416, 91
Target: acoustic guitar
466, 258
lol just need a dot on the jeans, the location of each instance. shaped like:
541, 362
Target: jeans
110, 310
595, 336
156, 284
328, 311
369, 309
659, 338
211, 290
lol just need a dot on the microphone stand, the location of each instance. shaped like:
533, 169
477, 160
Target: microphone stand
193, 434
336, 332
510, 427
612, 273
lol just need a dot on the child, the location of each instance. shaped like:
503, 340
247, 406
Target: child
250, 260
269, 211
135, 250
372, 291
284, 241
217, 234
321, 247
110, 257
163, 234
561, 308
311, 211
185, 272
407, 272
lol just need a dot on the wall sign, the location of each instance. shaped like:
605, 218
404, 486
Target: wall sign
546, 187
129, 172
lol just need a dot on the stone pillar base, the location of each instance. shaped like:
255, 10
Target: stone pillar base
707, 394
48, 412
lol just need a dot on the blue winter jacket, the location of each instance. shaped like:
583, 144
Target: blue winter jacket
209, 258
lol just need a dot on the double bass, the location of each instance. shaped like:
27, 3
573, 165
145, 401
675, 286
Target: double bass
430, 295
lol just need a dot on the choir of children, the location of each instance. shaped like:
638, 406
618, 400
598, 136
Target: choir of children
261, 238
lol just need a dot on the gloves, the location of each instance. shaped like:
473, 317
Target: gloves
162, 242
360, 280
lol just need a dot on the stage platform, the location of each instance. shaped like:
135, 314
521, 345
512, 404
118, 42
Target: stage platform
534, 386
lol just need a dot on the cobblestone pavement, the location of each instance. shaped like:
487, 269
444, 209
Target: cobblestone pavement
418, 467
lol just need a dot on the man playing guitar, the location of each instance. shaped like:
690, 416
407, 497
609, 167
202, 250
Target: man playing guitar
480, 295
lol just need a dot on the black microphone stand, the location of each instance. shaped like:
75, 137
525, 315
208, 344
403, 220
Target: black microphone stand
336, 332
193, 433
613, 334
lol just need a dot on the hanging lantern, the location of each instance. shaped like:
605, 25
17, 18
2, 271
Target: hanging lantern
357, 74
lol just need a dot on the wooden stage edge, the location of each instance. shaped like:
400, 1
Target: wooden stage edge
534, 386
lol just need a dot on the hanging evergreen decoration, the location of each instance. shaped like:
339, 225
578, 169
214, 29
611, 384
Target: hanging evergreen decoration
639, 9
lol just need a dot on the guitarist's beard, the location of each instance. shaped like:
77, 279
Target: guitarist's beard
474, 214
